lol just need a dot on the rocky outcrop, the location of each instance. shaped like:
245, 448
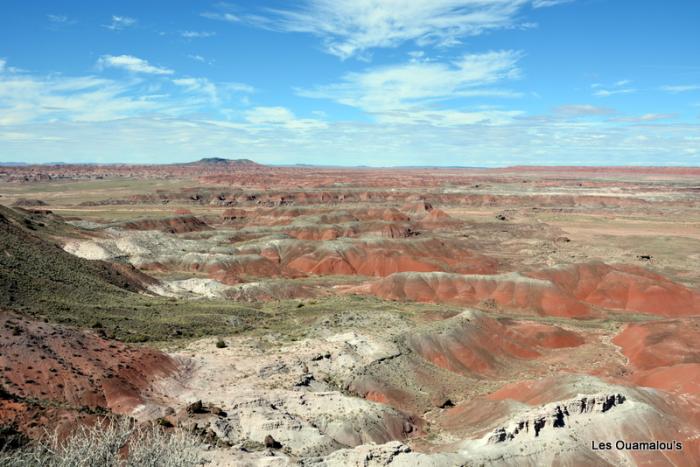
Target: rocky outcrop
553, 416
29, 203
173, 225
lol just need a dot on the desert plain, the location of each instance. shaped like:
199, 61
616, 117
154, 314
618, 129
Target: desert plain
327, 316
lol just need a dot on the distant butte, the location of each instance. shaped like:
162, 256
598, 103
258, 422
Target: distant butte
223, 161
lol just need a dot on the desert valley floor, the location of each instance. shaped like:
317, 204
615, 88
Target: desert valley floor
325, 316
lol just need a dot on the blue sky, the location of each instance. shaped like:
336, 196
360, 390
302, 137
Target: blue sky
350, 82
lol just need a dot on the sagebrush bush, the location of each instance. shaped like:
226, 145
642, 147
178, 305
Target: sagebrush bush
111, 443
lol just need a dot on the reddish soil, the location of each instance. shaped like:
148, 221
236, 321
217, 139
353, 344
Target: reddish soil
508, 291
72, 370
692, 171
364, 258
532, 392
385, 258
574, 291
481, 344
624, 288
664, 354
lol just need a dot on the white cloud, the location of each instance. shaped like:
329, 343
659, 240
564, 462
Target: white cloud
675, 89
3, 62
27, 99
618, 87
197, 34
521, 141
214, 93
269, 115
649, 117
446, 118
351, 27
14, 136
91, 118
548, 3
399, 91
582, 110
238, 87
120, 22
60, 20
199, 85
132, 64
417, 55
228, 17
197, 58
281, 116
612, 92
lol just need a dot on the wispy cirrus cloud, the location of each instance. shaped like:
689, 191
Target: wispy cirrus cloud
213, 92
120, 22
350, 28
281, 116
199, 86
201, 59
60, 19
618, 87
270, 140
29, 99
582, 110
218, 16
8, 69
94, 118
612, 92
548, 3
197, 34
409, 91
678, 88
648, 117
132, 64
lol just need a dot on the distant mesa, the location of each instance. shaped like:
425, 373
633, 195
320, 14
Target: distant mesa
223, 161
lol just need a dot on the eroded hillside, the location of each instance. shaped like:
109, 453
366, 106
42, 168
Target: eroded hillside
357, 316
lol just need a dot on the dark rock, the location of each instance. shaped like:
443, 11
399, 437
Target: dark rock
196, 407
447, 404
271, 443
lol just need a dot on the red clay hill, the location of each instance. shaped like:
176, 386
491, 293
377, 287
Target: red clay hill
575, 291
47, 365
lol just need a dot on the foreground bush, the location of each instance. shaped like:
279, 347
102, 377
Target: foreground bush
117, 443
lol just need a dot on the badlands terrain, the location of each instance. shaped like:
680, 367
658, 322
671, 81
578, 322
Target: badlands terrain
325, 316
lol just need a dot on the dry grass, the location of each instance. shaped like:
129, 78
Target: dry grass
111, 443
